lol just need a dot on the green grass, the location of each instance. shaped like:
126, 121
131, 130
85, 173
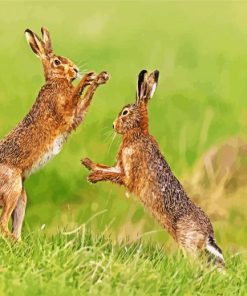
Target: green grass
80, 263
200, 49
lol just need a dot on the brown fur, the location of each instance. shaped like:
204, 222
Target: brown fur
58, 110
143, 170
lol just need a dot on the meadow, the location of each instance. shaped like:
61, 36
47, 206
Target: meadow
200, 49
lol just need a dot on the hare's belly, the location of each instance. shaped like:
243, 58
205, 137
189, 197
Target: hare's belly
132, 166
127, 160
52, 151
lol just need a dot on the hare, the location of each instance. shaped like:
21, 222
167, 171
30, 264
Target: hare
57, 111
143, 170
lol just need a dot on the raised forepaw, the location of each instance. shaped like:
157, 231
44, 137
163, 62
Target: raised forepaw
87, 163
102, 78
90, 77
94, 177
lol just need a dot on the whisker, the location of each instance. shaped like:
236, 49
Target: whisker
107, 136
106, 129
83, 72
81, 63
114, 136
106, 132
80, 74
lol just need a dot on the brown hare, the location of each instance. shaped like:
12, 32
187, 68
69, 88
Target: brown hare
58, 110
143, 170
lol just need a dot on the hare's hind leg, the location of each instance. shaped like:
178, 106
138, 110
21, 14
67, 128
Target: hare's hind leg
10, 190
195, 241
18, 214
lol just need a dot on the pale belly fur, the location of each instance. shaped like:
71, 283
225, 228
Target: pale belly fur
127, 160
53, 150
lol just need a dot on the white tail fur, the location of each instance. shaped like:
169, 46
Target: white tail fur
214, 251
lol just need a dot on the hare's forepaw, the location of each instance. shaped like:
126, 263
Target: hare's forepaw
94, 177
89, 78
87, 163
102, 78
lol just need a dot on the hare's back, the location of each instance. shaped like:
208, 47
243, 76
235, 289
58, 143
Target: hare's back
182, 211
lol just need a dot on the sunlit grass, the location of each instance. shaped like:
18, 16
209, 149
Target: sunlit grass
80, 263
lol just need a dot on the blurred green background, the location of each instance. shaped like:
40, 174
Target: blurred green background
200, 49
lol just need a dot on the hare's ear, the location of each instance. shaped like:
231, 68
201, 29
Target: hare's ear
36, 44
47, 40
140, 85
146, 86
152, 82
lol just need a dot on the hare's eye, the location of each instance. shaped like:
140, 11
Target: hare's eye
125, 112
57, 62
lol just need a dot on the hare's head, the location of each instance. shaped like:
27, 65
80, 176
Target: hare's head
54, 66
135, 115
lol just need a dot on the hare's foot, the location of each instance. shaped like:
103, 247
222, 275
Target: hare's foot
83, 105
86, 80
4, 232
88, 163
89, 78
95, 177
102, 78
101, 175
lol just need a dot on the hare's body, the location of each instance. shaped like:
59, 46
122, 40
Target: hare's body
58, 110
143, 170
147, 175
48, 125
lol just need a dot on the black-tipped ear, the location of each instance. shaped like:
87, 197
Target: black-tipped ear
30, 39
146, 86
35, 43
156, 74
47, 40
153, 82
140, 81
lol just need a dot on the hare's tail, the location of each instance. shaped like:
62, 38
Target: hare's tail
214, 252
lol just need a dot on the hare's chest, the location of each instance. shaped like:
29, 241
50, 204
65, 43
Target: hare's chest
53, 149
128, 161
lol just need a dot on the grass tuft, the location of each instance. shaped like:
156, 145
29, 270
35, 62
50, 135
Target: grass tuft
83, 263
